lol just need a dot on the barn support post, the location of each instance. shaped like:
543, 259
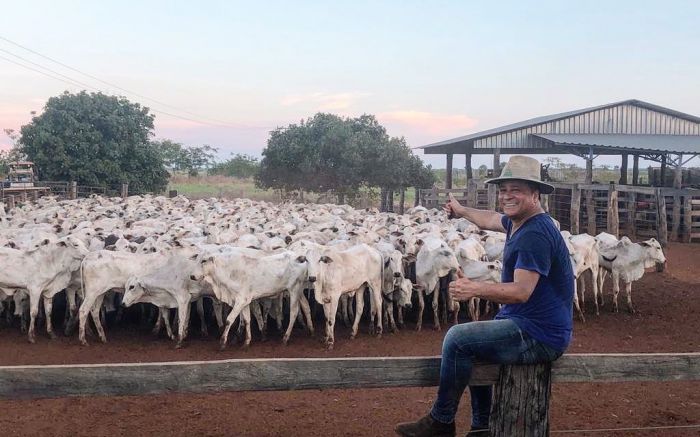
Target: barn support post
661, 221
575, 209
448, 172
468, 166
678, 172
23, 197
402, 200
496, 162
631, 215
10, 202
635, 169
416, 201
590, 212
73, 190
389, 200
687, 218
676, 217
589, 166
125, 190
662, 175
35, 195
623, 169
521, 401
613, 212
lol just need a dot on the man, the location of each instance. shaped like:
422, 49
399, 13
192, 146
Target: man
535, 323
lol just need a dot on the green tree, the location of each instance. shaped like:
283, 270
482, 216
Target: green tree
95, 139
240, 166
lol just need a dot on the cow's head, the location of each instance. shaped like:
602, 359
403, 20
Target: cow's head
133, 291
654, 253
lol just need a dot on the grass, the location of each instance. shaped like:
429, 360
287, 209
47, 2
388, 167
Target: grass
200, 187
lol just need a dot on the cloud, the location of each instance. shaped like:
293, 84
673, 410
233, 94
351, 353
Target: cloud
324, 101
428, 122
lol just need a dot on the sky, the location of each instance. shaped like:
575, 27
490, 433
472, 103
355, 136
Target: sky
226, 73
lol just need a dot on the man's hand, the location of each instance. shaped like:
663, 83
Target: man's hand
452, 206
463, 289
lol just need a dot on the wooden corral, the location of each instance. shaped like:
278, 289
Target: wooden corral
593, 208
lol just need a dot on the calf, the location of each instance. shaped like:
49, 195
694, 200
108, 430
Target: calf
434, 261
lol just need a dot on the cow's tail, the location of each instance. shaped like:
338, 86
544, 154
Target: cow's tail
82, 280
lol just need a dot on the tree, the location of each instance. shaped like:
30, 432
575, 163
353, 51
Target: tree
240, 166
95, 139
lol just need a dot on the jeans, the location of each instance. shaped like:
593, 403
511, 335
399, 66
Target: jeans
493, 341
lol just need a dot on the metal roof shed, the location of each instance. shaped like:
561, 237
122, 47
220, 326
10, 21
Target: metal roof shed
622, 128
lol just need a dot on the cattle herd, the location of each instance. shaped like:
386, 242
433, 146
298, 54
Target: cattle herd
263, 261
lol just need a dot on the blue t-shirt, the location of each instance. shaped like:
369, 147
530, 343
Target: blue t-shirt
537, 246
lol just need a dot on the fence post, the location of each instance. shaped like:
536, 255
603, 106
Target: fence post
575, 209
35, 195
472, 194
73, 190
492, 191
10, 202
662, 224
687, 218
23, 197
590, 212
521, 401
631, 215
417, 200
613, 212
125, 191
676, 217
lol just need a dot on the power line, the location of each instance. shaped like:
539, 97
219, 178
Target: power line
82, 84
39, 71
212, 121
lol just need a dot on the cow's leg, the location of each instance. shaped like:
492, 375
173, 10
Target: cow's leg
616, 289
83, 313
183, 313
375, 294
576, 302
329, 310
602, 274
436, 300
48, 310
421, 307
307, 313
204, 332
294, 298
399, 314
218, 308
278, 311
238, 306
359, 308
164, 315
344, 309
34, 298
596, 291
159, 322
245, 318
628, 291
95, 311
255, 307
72, 310
390, 316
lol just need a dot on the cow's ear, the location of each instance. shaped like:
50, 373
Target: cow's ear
288, 239
645, 244
62, 243
445, 253
193, 257
301, 259
386, 263
326, 259
45, 242
396, 234
419, 242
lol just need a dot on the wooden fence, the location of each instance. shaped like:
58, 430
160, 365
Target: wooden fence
666, 214
62, 190
524, 411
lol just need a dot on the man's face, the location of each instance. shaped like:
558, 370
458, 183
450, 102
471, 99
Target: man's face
517, 199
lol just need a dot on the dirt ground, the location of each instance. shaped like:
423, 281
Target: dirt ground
667, 320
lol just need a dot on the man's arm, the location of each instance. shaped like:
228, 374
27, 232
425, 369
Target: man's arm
518, 291
489, 220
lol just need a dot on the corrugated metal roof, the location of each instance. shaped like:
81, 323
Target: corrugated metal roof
562, 115
651, 143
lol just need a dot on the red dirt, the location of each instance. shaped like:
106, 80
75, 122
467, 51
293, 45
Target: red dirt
667, 320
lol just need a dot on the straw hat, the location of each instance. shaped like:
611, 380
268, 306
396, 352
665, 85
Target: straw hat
522, 168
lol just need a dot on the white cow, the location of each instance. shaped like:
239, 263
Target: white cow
237, 279
435, 260
334, 273
627, 262
43, 272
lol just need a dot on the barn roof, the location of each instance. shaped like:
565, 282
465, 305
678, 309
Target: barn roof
616, 143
